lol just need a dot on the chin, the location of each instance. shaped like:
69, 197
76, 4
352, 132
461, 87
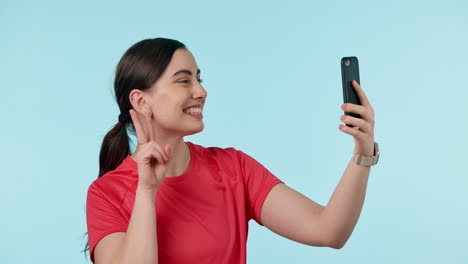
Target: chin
195, 130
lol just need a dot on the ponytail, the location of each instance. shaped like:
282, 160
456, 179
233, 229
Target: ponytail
114, 149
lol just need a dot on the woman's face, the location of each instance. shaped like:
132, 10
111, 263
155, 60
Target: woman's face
177, 98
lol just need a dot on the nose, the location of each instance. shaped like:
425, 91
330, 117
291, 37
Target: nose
199, 92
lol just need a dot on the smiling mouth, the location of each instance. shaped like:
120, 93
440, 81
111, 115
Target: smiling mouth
195, 111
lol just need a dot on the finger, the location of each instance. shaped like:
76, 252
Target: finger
149, 126
168, 151
150, 155
139, 131
363, 111
356, 122
160, 150
153, 146
357, 133
157, 155
362, 96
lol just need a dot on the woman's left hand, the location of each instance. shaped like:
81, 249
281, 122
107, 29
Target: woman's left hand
363, 130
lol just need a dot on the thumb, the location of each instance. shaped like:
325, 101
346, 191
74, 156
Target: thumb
168, 151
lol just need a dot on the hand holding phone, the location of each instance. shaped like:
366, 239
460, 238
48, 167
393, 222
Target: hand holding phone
360, 118
350, 72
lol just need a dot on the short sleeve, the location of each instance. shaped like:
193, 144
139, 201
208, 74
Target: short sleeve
103, 217
258, 181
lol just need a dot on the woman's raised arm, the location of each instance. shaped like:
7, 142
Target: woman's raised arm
139, 244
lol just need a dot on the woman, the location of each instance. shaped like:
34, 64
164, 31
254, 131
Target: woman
172, 201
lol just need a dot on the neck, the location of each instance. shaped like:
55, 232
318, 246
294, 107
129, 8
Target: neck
179, 159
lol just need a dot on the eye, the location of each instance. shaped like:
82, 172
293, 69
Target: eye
188, 81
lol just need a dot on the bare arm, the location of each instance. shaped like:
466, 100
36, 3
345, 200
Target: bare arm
294, 216
139, 243
342, 212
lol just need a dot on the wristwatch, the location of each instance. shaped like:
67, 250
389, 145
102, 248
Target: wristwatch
367, 161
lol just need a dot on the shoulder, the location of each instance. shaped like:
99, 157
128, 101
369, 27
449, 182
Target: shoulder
228, 154
114, 185
228, 158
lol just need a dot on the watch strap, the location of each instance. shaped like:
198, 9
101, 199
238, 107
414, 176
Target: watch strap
367, 161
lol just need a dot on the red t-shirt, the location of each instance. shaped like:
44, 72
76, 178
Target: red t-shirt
202, 215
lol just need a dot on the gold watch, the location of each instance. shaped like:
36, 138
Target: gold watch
367, 161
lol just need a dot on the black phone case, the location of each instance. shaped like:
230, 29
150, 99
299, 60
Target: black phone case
350, 72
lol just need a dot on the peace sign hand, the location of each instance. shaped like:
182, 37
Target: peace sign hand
151, 158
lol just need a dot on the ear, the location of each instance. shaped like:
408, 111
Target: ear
139, 101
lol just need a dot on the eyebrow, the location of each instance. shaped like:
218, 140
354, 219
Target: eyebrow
184, 71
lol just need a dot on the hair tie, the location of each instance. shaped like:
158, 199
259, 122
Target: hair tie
123, 118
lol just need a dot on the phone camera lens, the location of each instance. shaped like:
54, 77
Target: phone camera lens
347, 63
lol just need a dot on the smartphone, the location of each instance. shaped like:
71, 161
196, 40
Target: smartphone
350, 72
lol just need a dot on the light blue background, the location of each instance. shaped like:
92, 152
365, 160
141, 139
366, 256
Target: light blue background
272, 73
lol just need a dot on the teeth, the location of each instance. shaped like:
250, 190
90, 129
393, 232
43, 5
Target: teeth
194, 110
